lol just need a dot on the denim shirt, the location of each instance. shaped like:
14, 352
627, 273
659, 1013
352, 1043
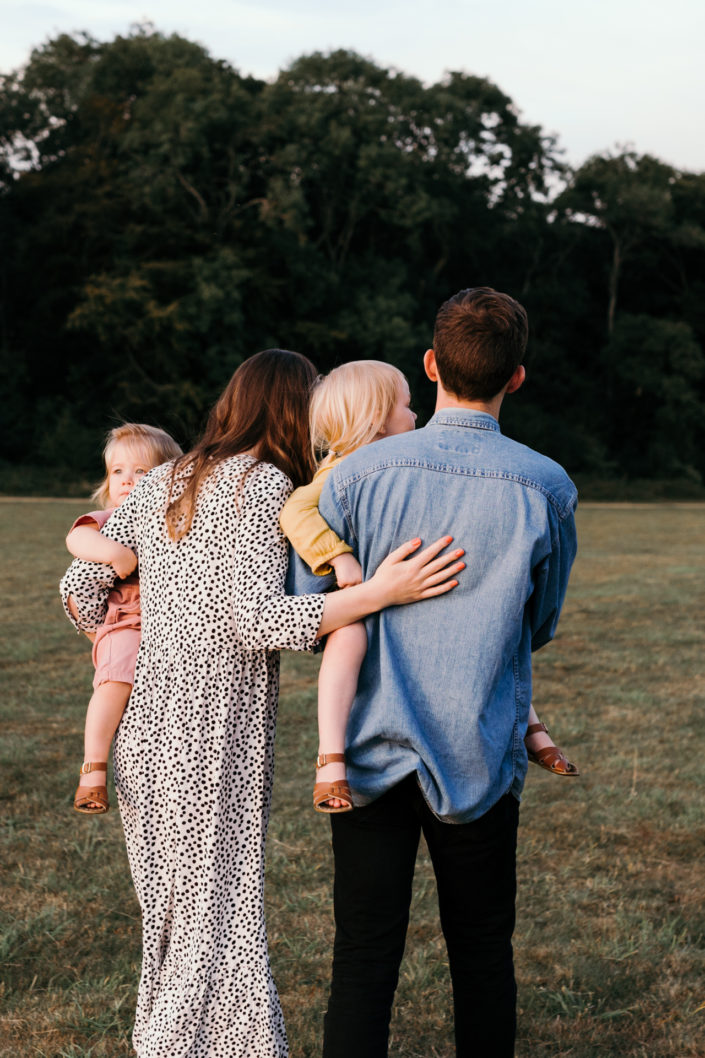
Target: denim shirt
445, 687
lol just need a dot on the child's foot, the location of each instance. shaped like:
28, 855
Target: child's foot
331, 792
91, 797
543, 751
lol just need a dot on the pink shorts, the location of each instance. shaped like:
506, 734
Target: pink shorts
114, 656
117, 640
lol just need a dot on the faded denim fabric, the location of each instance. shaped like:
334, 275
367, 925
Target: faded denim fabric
445, 687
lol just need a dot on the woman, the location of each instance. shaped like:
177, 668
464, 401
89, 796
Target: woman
194, 751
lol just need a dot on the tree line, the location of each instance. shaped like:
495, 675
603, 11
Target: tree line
162, 217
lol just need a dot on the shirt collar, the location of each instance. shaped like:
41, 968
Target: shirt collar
478, 420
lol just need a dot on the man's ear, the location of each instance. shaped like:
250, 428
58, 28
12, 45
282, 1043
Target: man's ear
429, 365
517, 380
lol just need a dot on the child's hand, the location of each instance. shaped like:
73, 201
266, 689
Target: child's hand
124, 561
348, 570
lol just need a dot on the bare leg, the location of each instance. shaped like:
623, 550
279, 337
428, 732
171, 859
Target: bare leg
105, 711
337, 684
540, 740
543, 751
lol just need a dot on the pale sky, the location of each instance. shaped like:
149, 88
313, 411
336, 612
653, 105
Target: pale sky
599, 74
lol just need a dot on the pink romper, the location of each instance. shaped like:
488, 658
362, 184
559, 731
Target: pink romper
117, 640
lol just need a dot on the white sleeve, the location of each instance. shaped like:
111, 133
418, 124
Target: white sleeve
89, 583
266, 617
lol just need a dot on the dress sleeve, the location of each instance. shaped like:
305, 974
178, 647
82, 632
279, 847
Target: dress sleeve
311, 537
89, 583
266, 617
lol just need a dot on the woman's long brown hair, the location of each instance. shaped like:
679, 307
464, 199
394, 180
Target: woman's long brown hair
263, 409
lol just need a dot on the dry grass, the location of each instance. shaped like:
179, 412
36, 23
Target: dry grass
610, 935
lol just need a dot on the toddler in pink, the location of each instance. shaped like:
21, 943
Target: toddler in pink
114, 655
131, 451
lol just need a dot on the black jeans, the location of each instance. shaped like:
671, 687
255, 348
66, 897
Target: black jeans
475, 865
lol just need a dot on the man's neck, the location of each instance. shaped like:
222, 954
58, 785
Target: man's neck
447, 400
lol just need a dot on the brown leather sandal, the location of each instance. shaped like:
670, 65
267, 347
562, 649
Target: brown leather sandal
550, 757
323, 792
87, 797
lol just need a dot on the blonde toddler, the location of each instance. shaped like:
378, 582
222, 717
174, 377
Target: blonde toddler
131, 451
357, 403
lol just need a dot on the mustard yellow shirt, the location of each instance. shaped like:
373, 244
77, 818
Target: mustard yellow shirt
310, 536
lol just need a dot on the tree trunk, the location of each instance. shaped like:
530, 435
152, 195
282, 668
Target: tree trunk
614, 283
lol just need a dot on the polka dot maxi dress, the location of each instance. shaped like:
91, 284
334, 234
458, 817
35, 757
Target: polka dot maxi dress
194, 753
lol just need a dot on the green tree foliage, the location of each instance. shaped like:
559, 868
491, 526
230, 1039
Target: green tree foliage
632, 199
636, 227
127, 281
163, 217
658, 370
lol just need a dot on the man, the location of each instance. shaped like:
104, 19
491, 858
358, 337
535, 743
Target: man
435, 741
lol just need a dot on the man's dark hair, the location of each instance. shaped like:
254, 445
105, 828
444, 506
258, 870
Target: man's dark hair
479, 341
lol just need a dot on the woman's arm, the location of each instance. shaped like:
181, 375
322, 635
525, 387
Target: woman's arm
88, 543
268, 619
402, 578
72, 611
87, 584
84, 591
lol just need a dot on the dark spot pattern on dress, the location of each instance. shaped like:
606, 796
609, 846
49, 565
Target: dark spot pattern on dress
194, 754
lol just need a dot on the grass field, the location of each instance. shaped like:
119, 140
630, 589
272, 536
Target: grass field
610, 940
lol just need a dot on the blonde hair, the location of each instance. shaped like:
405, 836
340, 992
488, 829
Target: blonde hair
351, 404
156, 444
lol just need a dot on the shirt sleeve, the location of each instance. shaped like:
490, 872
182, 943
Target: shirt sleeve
89, 583
309, 534
99, 517
333, 509
551, 578
266, 617
300, 580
